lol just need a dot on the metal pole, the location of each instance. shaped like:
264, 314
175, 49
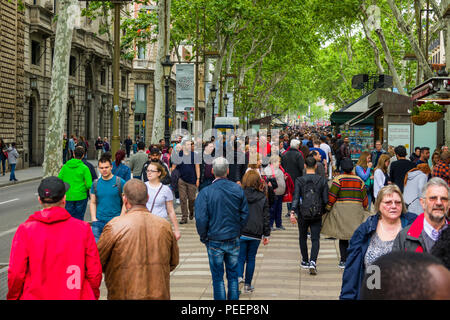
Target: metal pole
115, 141
196, 111
212, 115
166, 127
428, 24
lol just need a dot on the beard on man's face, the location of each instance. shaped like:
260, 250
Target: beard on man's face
436, 216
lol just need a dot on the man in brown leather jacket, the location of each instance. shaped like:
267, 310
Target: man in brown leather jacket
138, 250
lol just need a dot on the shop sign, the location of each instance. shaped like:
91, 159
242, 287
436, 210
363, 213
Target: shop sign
400, 134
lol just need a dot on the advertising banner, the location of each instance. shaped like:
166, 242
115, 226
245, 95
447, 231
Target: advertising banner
185, 87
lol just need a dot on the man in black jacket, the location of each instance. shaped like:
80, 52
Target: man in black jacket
128, 144
238, 165
400, 167
309, 214
293, 163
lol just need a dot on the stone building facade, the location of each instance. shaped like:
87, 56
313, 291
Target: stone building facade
90, 101
12, 75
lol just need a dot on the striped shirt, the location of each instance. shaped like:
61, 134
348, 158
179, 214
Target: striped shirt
347, 188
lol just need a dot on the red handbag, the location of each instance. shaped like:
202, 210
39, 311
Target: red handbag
288, 195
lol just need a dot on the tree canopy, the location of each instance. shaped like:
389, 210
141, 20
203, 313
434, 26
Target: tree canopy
286, 55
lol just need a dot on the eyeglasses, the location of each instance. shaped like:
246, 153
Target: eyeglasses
148, 171
392, 203
435, 198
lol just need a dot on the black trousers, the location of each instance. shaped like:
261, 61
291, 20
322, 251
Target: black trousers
343, 245
315, 227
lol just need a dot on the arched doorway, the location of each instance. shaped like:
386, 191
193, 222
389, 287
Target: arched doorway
33, 157
87, 117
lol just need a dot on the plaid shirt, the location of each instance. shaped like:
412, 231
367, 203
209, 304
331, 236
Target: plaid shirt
442, 170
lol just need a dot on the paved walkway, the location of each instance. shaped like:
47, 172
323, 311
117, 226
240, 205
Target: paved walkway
277, 274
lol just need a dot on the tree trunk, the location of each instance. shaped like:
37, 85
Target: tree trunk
57, 111
159, 115
421, 57
222, 47
374, 46
390, 61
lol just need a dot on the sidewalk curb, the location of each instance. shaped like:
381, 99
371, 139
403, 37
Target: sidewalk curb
11, 183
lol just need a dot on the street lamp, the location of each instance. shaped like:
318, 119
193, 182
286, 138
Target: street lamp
33, 82
213, 92
167, 69
225, 103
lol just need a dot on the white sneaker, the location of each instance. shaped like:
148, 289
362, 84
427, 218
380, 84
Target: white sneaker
248, 288
312, 268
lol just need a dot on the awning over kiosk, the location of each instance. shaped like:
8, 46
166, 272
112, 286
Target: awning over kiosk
363, 116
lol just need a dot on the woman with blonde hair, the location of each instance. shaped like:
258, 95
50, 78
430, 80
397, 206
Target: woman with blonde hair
374, 238
435, 158
415, 180
160, 196
363, 170
380, 176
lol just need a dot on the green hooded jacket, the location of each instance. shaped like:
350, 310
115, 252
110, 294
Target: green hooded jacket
78, 176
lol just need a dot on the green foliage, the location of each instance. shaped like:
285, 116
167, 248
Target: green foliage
318, 46
431, 106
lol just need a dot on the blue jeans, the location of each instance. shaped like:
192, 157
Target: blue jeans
97, 228
369, 198
12, 175
64, 156
220, 252
247, 254
275, 211
77, 209
3, 165
289, 206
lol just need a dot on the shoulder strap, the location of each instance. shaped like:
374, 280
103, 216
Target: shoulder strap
153, 204
95, 186
119, 189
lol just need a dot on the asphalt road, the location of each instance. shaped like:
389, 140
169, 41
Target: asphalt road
17, 203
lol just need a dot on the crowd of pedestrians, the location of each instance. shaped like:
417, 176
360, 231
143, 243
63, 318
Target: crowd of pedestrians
235, 189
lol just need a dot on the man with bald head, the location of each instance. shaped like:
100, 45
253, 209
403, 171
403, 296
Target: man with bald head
138, 250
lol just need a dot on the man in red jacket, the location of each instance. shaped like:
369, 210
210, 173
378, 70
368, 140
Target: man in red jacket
53, 255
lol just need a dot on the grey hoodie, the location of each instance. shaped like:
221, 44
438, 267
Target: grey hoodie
12, 155
413, 191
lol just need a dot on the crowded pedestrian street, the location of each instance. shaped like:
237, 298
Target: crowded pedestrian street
227, 157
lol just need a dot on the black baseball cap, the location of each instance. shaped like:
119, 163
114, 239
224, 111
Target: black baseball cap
52, 189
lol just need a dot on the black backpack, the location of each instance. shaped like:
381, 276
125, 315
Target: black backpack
311, 203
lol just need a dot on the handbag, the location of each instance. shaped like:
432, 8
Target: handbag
273, 180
